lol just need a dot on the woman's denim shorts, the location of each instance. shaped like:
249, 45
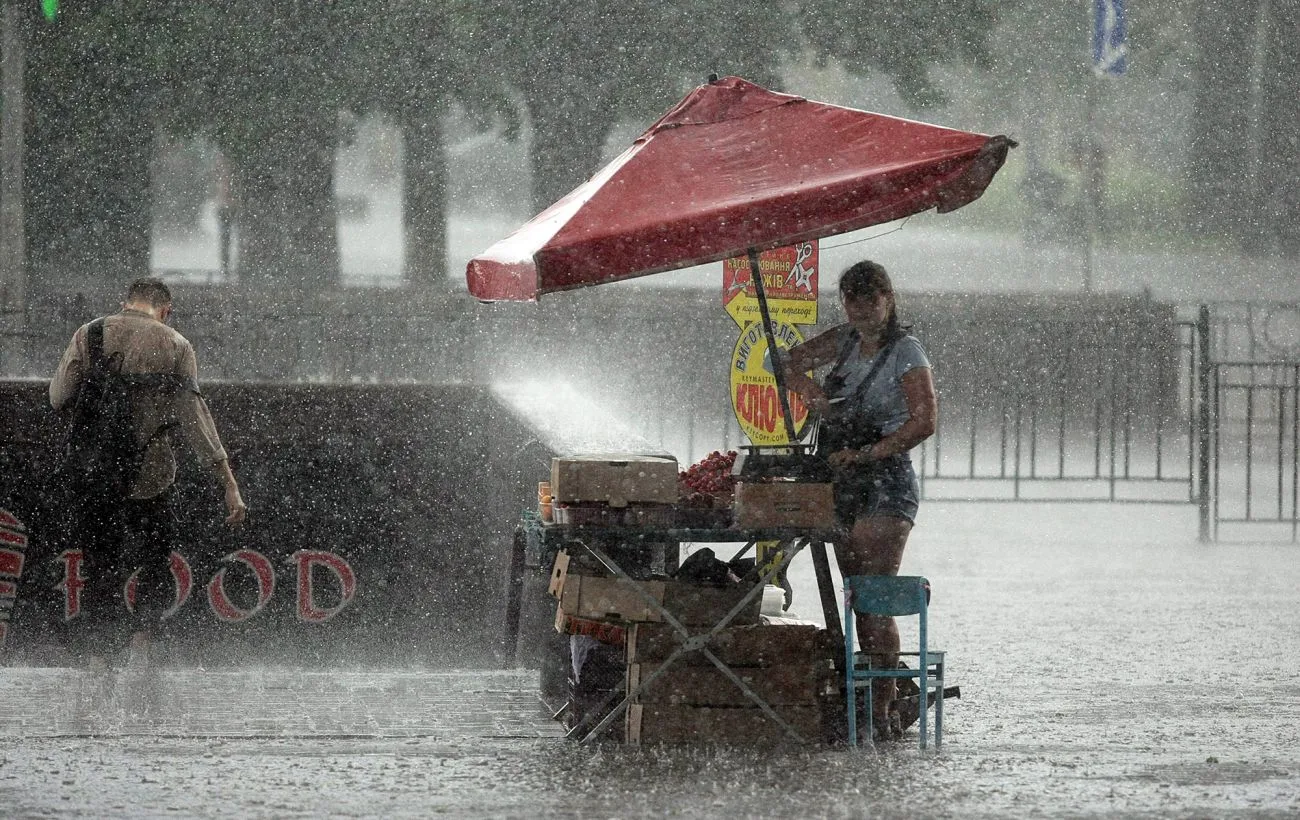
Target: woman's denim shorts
887, 487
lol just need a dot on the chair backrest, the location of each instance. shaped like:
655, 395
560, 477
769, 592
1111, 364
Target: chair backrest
888, 594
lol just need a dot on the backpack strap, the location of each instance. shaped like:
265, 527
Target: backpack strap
881, 357
850, 340
95, 342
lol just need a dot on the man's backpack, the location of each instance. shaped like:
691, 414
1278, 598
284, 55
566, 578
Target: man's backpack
101, 456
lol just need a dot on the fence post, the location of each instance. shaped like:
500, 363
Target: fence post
1203, 420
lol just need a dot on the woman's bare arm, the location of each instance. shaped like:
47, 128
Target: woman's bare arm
817, 352
923, 415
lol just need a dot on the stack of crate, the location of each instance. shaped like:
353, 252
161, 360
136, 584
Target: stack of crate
789, 667
587, 593
692, 701
595, 605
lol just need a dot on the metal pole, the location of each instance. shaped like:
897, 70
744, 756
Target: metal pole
757, 276
1087, 165
826, 591
1203, 420
1295, 451
13, 245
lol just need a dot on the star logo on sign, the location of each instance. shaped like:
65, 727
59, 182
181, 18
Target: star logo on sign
800, 276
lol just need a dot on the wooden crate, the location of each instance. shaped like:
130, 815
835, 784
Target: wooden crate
789, 667
606, 598
648, 723
615, 479
784, 504
741, 645
785, 685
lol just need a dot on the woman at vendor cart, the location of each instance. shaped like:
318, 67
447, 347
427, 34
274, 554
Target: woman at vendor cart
877, 403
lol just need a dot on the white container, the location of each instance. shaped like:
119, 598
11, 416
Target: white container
773, 600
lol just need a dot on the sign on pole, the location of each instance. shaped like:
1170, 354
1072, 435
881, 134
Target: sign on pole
1109, 49
789, 280
753, 385
790, 286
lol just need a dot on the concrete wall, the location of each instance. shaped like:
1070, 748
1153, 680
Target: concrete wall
418, 488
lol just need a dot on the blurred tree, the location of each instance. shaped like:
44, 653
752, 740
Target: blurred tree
1243, 157
581, 66
903, 41
90, 102
1278, 165
1036, 78
1236, 64
266, 82
261, 79
271, 83
1218, 163
399, 64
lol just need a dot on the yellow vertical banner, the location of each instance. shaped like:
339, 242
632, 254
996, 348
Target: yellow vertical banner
790, 283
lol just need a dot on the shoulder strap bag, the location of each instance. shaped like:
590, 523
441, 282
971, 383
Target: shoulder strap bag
842, 426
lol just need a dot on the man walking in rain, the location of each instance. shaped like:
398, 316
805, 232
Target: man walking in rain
126, 523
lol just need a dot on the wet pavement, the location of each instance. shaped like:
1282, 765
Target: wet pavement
1110, 665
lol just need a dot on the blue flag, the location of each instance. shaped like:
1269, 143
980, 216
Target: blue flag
1109, 50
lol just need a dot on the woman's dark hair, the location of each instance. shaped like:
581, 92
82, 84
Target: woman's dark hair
869, 279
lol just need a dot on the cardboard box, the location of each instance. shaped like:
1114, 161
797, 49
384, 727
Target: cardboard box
566, 564
611, 599
559, 571
695, 605
785, 504
755, 645
784, 685
614, 479
633, 515
616, 599
664, 723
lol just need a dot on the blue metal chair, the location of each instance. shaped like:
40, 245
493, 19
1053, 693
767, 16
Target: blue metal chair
891, 596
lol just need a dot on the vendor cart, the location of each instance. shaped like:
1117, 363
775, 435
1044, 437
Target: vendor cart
732, 170
537, 545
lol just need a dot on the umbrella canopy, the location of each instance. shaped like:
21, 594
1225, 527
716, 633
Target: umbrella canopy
735, 167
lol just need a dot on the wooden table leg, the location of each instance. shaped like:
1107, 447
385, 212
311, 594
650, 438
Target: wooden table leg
830, 599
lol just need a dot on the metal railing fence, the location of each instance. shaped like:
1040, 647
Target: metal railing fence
1121, 401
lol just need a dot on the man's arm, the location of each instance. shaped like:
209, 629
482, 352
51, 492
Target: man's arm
201, 434
71, 369
235, 507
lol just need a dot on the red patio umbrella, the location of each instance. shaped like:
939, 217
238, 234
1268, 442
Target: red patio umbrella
735, 169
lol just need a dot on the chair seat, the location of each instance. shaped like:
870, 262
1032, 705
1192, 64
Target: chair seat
933, 657
901, 674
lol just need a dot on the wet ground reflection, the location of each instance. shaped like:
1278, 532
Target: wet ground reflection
1109, 664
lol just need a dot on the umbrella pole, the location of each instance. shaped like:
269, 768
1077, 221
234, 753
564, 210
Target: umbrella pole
781, 396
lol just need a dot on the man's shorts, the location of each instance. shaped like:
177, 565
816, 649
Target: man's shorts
887, 487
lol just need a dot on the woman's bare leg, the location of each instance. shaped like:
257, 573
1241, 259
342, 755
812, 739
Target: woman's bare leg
875, 547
